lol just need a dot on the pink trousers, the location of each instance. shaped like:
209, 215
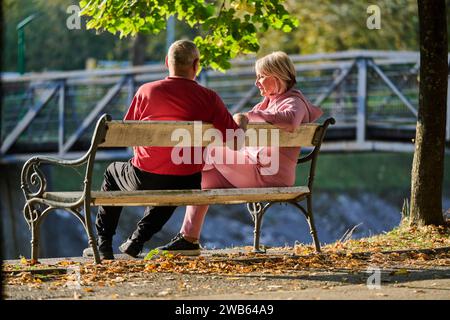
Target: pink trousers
217, 176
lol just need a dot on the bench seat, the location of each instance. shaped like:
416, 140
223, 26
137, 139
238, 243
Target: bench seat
184, 197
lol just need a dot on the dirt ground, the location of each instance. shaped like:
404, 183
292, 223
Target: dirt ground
424, 284
384, 283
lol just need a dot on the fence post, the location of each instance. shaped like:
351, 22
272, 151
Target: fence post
448, 109
61, 115
130, 88
361, 116
203, 78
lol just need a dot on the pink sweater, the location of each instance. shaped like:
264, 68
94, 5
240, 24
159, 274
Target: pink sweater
286, 111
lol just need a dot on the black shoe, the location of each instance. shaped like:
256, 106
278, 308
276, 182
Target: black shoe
104, 249
179, 245
131, 248
104, 255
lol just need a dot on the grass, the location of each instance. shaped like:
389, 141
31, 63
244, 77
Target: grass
372, 172
403, 237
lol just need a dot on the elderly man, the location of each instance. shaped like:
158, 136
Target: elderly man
177, 97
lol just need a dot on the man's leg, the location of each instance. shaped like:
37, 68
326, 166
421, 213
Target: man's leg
152, 222
119, 176
156, 217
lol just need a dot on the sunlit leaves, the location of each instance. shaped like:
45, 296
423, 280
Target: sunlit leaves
351, 255
329, 26
226, 28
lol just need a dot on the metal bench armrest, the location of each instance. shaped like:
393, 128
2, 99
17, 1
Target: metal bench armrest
33, 177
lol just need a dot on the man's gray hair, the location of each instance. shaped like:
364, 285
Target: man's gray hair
182, 53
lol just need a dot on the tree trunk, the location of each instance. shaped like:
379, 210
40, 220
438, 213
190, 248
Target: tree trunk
138, 50
428, 163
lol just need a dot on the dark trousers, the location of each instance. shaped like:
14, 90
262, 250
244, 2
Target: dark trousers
124, 176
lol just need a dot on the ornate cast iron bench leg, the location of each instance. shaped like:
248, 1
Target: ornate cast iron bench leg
33, 218
309, 217
35, 240
256, 211
312, 226
91, 239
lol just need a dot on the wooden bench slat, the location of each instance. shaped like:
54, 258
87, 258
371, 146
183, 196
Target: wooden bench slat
184, 197
159, 133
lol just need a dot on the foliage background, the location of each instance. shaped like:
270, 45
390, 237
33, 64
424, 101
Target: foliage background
324, 26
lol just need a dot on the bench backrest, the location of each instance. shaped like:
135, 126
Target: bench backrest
196, 134
110, 133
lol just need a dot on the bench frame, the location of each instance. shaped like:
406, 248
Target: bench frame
37, 206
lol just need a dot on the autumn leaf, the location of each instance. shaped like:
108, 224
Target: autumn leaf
23, 260
400, 272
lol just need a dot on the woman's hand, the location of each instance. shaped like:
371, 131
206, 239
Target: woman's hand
241, 120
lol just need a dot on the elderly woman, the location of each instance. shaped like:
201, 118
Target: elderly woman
282, 106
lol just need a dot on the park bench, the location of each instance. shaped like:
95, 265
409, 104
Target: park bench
108, 133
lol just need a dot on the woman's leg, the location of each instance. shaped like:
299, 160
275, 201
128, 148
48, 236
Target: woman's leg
195, 215
193, 222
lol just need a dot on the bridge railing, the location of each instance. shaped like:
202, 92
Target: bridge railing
373, 95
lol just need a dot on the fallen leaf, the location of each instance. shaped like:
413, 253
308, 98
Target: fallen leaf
400, 272
274, 287
163, 293
119, 279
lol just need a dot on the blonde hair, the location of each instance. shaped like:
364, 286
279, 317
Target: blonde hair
279, 65
182, 53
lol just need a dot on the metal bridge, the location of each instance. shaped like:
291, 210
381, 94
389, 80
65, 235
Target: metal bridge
373, 95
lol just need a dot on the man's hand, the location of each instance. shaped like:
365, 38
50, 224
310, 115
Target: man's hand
241, 120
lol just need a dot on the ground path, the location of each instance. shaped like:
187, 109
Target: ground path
396, 281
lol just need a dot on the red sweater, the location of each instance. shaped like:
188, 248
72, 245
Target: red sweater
175, 99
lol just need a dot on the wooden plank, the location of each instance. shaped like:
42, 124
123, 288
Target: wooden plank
184, 197
168, 134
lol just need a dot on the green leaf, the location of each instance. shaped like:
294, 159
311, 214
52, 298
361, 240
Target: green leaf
151, 254
226, 30
287, 28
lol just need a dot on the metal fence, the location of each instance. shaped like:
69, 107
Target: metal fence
373, 95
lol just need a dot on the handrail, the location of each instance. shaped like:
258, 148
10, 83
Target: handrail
399, 56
